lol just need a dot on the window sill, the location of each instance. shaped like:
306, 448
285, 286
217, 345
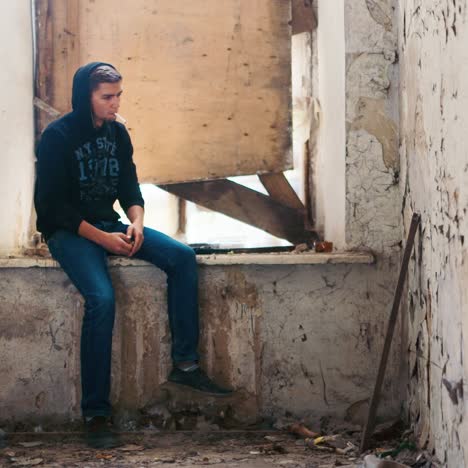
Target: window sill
305, 258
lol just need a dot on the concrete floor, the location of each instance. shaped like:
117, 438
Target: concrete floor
215, 449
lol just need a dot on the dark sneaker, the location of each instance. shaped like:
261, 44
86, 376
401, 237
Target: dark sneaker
99, 434
197, 380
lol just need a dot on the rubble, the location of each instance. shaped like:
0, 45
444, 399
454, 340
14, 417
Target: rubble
181, 408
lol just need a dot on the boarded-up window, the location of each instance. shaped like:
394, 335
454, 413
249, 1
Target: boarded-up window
207, 82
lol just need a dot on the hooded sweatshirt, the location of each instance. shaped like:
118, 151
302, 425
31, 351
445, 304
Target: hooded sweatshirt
83, 170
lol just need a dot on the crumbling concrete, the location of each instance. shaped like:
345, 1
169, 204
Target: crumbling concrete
301, 340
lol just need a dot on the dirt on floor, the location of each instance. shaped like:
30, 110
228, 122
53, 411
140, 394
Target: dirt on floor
225, 449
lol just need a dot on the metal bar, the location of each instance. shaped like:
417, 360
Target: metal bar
369, 428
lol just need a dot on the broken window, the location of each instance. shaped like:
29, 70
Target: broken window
207, 99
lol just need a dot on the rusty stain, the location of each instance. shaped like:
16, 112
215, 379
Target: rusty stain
14, 327
141, 340
371, 117
219, 321
128, 389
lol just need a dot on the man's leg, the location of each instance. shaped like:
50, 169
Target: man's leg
179, 263
86, 265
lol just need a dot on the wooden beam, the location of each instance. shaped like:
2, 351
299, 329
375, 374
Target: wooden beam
303, 16
280, 190
182, 218
309, 188
246, 205
44, 58
57, 56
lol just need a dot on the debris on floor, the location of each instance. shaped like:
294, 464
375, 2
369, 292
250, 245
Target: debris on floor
301, 430
291, 444
227, 449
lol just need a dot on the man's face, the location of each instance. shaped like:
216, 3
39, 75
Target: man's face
105, 102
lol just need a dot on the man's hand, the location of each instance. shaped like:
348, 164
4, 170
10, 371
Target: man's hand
135, 231
135, 234
117, 243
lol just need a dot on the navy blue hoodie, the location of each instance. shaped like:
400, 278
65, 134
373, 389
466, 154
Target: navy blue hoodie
82, 170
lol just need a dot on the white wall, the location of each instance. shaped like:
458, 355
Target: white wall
16, 124
330, 168
434, 155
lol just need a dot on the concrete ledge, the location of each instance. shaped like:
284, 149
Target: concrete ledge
288, 258
335, 258
297, 338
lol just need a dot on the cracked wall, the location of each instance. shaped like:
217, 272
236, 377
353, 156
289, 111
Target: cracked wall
434, 182
372, 159
299, 340
355, 139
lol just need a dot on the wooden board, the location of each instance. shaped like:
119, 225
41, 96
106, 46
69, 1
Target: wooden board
207, 82
248, 206
58, 57
279, 188
303, 16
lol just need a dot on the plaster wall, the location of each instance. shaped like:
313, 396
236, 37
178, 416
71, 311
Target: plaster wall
16, 113
372, 162
434, 182
355, 138
302, 339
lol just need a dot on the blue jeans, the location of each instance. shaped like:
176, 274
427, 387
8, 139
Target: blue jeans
85, 263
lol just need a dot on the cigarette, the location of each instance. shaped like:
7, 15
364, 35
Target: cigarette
119, 117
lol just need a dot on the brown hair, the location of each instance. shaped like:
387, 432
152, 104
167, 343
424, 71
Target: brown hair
103, 74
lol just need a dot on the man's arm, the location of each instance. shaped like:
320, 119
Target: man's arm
136, 215
52, 196
114, 242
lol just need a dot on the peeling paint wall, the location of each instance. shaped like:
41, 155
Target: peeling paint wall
372, 159
355, 142
296, 338
355, 139
434, 160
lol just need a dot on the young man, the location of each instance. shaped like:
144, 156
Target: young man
84, 164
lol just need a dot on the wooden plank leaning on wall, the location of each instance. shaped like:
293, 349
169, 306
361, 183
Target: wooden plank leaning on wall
248, 206
57, 54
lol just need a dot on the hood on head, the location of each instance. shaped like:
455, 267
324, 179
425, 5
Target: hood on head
81, 93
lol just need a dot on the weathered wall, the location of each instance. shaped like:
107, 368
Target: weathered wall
299, 338
434, 97
372, 160
355, 139
16, 113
